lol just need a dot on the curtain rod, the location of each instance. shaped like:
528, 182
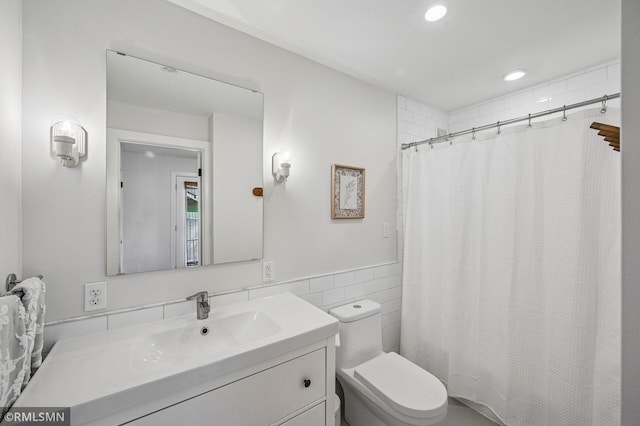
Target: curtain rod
564, 108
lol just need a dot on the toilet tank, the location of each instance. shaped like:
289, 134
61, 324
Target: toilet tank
360, 328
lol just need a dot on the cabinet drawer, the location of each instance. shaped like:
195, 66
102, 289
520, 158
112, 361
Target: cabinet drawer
312, 417
260, 399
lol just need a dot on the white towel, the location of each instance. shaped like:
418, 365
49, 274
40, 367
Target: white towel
31, 291
15, 365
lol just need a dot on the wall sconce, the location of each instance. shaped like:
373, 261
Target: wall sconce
68, 141
280, 166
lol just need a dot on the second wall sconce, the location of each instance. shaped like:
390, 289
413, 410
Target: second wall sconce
68, 141
280, 166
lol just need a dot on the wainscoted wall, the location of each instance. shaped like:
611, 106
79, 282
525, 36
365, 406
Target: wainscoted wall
380, 283
319, 115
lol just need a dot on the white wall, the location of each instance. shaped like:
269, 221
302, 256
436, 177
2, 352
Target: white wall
319, 115
630, 150
10, 137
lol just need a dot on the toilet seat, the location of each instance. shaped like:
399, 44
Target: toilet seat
403, 386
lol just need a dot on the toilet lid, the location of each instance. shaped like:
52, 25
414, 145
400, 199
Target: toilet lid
403, 385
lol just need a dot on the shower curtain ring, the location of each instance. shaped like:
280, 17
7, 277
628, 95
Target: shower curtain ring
604, 104
529, 126
564, 113
473, 134
499, 132
450, 140
431, 145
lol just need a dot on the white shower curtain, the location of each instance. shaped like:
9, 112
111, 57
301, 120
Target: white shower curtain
511, 286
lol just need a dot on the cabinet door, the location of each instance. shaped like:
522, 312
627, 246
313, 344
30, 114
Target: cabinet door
312, 417
260, 399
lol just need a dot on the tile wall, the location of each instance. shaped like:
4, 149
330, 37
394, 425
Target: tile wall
588, 84
381, 283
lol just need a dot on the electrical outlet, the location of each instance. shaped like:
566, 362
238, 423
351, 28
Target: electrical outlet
385, 230
268, 271
95, 296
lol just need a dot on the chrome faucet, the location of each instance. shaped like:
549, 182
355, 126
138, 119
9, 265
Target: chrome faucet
202, 304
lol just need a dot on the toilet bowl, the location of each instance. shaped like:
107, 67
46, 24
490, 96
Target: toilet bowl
381, 388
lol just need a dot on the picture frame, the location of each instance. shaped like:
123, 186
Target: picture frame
347, 192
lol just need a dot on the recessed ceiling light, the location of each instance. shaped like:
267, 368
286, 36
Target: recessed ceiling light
435, 13
514, 75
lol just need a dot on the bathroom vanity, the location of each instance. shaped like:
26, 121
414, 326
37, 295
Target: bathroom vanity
264, 362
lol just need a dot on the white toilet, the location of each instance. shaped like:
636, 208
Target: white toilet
381, 388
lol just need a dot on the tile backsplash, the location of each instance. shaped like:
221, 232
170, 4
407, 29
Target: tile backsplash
381, 283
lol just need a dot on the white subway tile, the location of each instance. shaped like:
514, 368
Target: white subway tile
345, 278
173, 310
395, 268
518, 99
330, 297
391, 306
381, 271
315, 299
414, 130
550, 90
608, 87
413, 106
68, 330
391, 318
404, 137
363, 275
587, 79
229, 298
568, 98
261, 292
321, 283
371, 287
299, 288
468, 113
392, 281
613, 72
402, 101
491, 107
405, 115
354, 291
131, 318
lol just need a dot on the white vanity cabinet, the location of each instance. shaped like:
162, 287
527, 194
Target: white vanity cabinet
291, 393
264, 362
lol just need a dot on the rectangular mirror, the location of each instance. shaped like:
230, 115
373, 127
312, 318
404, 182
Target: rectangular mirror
184, 154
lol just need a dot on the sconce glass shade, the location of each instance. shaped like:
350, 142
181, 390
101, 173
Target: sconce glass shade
68, 141
280, 166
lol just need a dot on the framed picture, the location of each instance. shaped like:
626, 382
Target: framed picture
347, 192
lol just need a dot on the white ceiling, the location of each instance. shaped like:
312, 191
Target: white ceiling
449, 64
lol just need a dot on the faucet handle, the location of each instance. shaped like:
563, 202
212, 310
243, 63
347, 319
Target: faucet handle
201, 296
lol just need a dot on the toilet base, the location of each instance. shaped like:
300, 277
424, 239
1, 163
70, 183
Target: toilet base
358, 412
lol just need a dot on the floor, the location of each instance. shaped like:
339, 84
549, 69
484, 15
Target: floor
459, 414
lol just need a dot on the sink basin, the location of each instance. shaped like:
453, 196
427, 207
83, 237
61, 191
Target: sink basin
204, 338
